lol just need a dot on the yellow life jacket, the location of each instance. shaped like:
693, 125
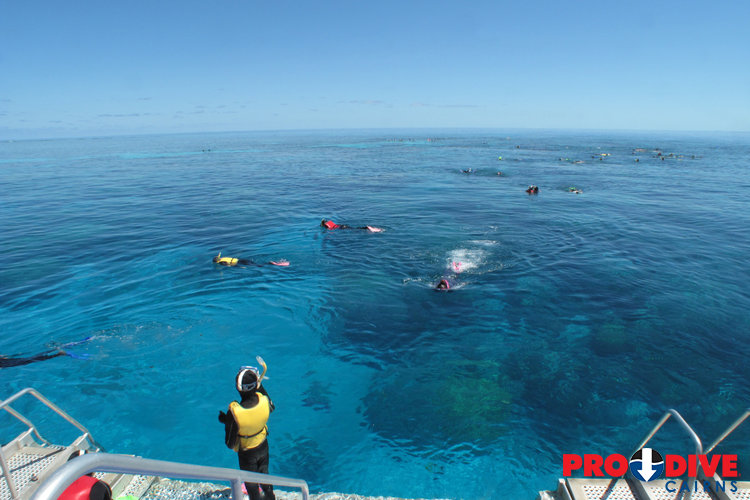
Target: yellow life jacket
251, 422
227, 261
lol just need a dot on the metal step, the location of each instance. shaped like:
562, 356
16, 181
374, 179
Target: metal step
126, 484
135, 485
657, 490
600, 489
31, 463
621, 489
30, 466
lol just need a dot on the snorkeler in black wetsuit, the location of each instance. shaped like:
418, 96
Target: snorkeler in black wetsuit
7, 362
11, 361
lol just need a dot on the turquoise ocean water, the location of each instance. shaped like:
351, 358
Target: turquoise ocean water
576, 321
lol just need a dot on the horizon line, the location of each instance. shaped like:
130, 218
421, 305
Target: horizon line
373, 129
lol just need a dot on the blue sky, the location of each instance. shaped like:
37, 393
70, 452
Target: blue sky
101, 68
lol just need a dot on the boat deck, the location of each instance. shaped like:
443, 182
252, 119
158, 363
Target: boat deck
31, 463
623, 489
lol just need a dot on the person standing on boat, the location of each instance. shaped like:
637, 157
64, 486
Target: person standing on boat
245, 429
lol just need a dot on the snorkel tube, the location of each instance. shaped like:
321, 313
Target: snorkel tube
265, 369
255, 385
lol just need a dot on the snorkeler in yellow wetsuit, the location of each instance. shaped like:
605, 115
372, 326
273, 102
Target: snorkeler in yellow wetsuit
234, 261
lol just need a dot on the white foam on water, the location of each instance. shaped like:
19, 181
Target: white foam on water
464, 259
484, 243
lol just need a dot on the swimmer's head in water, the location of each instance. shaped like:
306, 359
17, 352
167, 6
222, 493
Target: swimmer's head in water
323, 222
443, 285
248, 379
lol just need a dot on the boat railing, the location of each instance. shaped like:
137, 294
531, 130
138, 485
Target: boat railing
728, 431
125, 464
5, 405
686, 427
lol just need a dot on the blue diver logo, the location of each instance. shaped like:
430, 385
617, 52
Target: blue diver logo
646, 464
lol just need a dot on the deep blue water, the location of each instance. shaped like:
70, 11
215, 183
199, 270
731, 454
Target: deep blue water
577, 320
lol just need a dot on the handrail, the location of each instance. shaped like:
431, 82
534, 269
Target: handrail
28, 423
5, 405
729, 430
124, 464
698, 444
656, 428
30, 390
673, 413
7, 476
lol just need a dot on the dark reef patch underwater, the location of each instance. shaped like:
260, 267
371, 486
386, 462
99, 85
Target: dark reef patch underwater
573, 321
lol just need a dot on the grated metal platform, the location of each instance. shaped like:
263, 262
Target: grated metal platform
600, 489
133, 485
31, 464
657, 490
742, 493
621, 489
28, 466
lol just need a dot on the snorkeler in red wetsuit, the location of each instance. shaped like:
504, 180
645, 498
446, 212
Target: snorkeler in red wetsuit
329, 224
443, 285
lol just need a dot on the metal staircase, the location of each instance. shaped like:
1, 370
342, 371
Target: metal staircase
629, 488
35, 469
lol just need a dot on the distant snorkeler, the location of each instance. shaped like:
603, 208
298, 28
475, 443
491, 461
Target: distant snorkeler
573, 189
443, 285
329, 224
234, 261
532, 189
